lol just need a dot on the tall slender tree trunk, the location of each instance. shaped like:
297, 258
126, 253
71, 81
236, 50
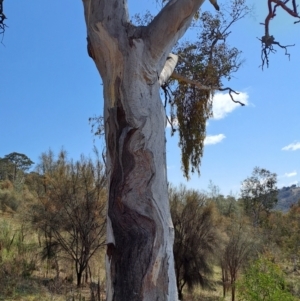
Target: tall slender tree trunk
233, 289
225, 280
130, 59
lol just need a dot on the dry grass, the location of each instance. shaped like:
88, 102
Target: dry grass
42, 283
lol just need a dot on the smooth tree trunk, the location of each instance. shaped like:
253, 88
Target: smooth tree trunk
130, 60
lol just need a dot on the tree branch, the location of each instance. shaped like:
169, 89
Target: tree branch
267, 47
168, 69
198, 85
108, 12
106, 22
230, 91
183, 79
169, 26
2, 19
272, 11
268, 41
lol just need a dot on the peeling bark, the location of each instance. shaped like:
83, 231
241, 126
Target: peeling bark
168, 69
140, 234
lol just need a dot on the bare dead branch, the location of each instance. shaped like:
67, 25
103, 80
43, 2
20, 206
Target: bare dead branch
230, 91
267, 48
2, 19
181, 78
268, 41
198, 85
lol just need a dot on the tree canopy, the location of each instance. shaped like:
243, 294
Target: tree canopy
259, 193
196, 238
70, 213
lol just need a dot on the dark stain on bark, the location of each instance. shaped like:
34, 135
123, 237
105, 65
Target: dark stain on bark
90, 49
134, 232
109, 250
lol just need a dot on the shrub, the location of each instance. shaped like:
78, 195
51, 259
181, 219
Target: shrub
8, 200
263, 281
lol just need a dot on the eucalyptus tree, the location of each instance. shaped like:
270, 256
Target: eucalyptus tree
259, 194
13, 167
134, 62
239, 249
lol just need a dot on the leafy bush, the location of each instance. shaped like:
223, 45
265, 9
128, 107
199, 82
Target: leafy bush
16, 259
6, 184
9, 199
263, 281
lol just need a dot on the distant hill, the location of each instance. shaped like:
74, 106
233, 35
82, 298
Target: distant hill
287, 196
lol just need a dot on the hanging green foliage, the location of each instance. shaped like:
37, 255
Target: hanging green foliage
202, 67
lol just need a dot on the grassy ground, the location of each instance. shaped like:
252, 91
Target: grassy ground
24, 276
19, 282
34, 290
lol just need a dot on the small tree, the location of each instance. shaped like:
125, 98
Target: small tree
196, 238
71, 209
227, 206
18, 162
263, 281
259, 194
236, 255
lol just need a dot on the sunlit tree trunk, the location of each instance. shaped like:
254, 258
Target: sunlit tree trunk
140, 233
140, 264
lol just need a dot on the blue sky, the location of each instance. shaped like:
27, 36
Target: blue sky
50, 87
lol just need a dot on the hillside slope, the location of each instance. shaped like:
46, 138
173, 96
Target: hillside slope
287, 196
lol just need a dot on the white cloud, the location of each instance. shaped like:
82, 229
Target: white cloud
290, 174
223, 104
214, 139
293, 146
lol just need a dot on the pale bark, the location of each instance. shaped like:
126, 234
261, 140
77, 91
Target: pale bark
130, 59
168, 69
186, 80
